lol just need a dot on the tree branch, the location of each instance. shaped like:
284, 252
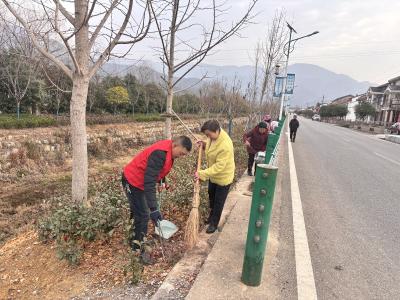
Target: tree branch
65, 13
44, 52
102, 22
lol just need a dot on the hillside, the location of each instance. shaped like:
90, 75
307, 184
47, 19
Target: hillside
313, 83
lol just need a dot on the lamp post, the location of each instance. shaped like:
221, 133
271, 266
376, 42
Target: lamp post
290, 44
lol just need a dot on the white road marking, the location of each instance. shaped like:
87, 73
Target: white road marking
305, 276
387, 158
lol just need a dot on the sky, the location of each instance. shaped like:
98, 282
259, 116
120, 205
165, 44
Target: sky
359, 38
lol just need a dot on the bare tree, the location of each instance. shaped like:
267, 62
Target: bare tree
180, 52
253, 87
18, 61
59, 83
272, 50
88, 31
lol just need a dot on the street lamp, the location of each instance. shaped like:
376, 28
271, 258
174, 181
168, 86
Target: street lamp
290, 44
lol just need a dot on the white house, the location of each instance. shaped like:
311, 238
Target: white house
351, 107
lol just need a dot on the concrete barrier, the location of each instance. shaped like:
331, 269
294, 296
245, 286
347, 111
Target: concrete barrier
393, 138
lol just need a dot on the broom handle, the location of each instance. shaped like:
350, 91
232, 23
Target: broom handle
196, 191
199, 158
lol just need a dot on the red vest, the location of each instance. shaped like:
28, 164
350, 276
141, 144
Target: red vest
134, 171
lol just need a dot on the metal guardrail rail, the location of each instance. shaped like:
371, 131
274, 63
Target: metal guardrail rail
261, 209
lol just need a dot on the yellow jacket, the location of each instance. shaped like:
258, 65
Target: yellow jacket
220, 160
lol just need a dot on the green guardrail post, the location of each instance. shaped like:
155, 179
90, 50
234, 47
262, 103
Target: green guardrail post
260, 214
278, 129
271, 144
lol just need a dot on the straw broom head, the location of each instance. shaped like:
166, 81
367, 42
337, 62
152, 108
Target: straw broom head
192, 225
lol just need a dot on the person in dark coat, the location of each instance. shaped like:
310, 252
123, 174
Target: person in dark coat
293, 125
255, 140
140, 178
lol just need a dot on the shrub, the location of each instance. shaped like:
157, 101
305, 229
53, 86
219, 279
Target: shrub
25, 121
71, 225
364, 109
148, 118
33, 150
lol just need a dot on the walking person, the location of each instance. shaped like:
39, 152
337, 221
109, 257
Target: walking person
139, 180
255, 140
220, 169
293, 126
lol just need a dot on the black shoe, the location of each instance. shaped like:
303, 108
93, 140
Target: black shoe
249, 173
211, 228
208, 221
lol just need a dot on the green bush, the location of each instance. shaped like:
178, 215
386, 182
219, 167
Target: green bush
25, 121
148, 118
70, 224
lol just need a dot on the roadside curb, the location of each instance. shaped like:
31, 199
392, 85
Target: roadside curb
392, 138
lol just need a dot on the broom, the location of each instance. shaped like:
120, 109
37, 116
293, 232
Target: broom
192, 225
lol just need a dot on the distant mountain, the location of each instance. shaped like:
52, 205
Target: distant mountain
313, 83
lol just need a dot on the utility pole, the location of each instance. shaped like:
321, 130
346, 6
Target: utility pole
290, 48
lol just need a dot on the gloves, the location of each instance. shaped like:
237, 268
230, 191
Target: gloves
163, 186
201, 144
156, 216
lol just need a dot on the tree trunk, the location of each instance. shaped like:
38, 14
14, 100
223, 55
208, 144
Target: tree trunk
168, 121
18, 109
58, 108
79, 139
80, 88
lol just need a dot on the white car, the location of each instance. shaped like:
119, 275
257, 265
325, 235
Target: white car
316, 117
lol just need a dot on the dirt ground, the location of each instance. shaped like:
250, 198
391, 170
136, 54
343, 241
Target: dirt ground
30, 269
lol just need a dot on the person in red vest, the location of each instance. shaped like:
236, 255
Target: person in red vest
139, 180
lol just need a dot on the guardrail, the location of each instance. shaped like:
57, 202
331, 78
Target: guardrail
260, 213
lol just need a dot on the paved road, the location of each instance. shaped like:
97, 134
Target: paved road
350, 188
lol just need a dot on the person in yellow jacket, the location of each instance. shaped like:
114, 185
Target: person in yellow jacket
220, 172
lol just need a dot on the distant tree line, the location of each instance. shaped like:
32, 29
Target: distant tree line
333, 111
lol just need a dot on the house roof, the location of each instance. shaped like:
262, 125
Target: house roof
378, 89
394, 79
343, 99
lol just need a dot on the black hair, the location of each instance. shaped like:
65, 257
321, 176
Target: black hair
262, 125
211, 125
185, 142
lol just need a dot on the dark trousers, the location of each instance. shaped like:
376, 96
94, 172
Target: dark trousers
138, 208
293, 134
250, 162
217, 195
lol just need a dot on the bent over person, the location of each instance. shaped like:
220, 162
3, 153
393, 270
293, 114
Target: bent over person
139, 180
255, 140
